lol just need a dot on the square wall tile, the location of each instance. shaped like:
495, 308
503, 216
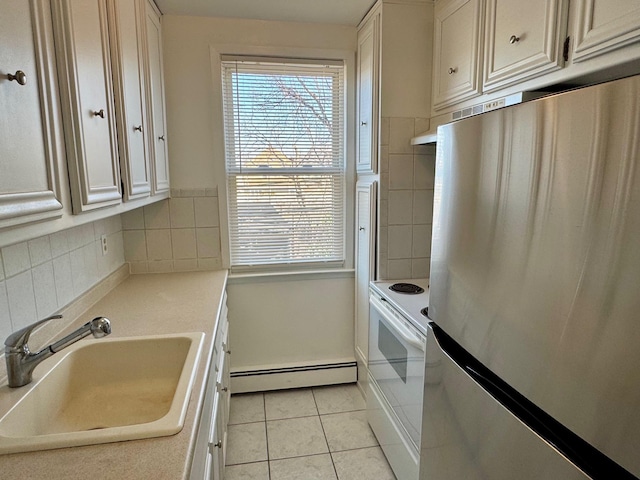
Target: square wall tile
133, 219
182, 213
74, 237
158, 244
209, 264
421, 241
384, 159
185, 265
39, 250
401, 131
138, 267
208, 242
59, 243
422, 207
44, 286
156, 215
424, 169
160, 266
206, 211
22, 300
183, 242
420, 267
16, 259
398, 269
400, 207
63, 279
400, 238
5, 318
400, 172
135, 245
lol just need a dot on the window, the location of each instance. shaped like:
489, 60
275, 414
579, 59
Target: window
284, 143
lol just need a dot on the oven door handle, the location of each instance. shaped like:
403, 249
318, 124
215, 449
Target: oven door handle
413, 339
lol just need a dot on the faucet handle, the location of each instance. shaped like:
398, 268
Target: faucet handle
18, 339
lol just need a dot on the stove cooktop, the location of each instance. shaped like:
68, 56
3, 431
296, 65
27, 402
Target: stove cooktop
408, 305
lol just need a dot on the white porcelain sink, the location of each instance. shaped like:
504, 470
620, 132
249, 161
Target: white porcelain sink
106, 390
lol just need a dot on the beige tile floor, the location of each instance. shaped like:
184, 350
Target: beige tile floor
304, 434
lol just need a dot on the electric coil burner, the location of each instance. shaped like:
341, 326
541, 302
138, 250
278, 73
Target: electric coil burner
408, 288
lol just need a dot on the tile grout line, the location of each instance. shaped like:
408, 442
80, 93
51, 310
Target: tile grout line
266, 436
313, 394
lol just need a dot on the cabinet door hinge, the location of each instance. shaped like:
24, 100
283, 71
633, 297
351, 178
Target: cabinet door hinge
565, 49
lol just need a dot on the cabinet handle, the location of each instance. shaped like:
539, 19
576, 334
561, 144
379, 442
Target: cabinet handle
218, 444
363, 124
99, 113
19, 77
161, 137
452, 70
513, 39
138, 129
361, 229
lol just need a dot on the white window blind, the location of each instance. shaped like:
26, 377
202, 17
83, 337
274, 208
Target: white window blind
284, 144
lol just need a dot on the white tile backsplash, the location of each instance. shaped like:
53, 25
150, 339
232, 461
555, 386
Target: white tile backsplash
47, 273
185, 234
16, 259
405, 200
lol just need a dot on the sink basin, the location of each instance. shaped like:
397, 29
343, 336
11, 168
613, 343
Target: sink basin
106, 390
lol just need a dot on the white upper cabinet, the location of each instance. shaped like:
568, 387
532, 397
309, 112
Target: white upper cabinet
522, 40
604, 25
30, 138
368, 75
127, 55
87, 97
457, 30
155, 100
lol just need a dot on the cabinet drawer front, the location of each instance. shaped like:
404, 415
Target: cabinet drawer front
523, 40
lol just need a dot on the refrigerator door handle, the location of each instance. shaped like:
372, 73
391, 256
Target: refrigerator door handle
583, 455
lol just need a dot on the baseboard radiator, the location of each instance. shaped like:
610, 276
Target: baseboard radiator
280, 378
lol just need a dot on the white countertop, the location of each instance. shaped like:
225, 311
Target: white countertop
140, 305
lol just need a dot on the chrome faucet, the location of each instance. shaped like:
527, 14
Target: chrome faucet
20, 360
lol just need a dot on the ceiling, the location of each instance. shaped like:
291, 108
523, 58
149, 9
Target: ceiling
343, 12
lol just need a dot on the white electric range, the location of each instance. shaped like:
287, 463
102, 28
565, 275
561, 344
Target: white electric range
397, 345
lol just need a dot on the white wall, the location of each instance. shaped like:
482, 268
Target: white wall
278, 319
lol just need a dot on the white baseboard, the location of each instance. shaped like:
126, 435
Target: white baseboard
261, 380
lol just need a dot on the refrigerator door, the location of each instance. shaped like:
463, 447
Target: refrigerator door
471, 432
535, 265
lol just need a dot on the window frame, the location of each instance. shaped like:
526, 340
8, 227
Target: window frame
345, 171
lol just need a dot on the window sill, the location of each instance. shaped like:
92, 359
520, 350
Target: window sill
240, 278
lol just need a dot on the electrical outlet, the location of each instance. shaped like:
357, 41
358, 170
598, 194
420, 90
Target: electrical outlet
105, 246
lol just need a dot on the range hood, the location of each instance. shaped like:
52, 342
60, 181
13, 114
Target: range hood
429, 136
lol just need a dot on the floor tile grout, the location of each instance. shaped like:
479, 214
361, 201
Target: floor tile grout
313, 393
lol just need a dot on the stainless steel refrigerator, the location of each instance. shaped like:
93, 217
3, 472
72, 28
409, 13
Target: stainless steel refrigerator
533, 350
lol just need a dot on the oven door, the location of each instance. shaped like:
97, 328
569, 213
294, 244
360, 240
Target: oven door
397, 363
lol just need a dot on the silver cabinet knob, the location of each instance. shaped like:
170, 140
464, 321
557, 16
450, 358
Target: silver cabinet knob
452, 70
98, 113
361, 229
19, 77
161, 138
138, 129
362, 124
513, 39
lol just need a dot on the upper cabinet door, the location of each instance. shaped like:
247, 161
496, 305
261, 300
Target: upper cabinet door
86, 91
604, 25
368, 54
30, 138
457, 51
126, 40
523, 40
155, 100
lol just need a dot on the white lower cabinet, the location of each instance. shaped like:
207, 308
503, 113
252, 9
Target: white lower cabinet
211, 441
